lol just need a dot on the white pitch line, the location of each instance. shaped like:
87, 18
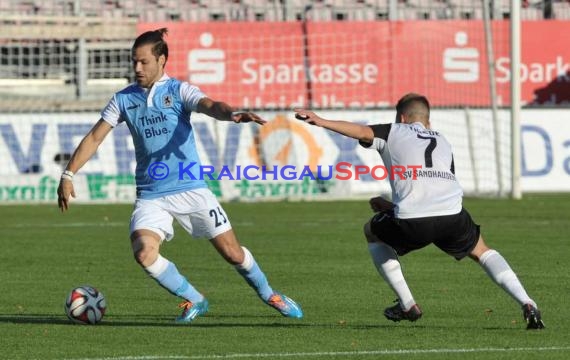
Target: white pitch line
332, 353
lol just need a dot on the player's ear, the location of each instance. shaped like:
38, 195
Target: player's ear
162, 60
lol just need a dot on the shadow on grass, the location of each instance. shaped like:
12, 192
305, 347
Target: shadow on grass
130, 320
209, 321
226, 321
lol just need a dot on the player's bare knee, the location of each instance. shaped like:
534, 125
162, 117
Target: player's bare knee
144, 252
479, 249
146, 256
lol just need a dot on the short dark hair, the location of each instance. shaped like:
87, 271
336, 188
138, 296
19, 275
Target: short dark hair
154, 38
412, 100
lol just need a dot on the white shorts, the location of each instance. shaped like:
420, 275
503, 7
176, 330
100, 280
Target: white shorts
198, 211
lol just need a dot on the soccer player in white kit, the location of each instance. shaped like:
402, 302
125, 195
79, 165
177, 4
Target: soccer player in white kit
157, 110
426, 205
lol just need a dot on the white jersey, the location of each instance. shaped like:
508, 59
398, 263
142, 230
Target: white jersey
428, 186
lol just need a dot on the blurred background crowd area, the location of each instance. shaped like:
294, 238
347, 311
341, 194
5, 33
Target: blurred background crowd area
69, 55
284, 10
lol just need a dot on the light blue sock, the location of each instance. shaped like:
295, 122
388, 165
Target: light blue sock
254, 276
167, 275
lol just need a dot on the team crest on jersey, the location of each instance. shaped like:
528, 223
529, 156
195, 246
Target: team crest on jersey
167, 100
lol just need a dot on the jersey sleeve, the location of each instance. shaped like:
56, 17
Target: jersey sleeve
381, 132
190, 96
111, 112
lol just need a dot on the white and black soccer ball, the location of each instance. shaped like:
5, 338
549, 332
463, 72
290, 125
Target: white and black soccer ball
85, 305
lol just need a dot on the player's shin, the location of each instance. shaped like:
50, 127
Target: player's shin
386, 261
254, 276
167, 275
499, 270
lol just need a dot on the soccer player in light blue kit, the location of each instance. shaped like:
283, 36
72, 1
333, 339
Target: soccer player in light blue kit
157, 111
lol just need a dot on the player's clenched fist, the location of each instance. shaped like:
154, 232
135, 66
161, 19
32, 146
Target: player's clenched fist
380, 204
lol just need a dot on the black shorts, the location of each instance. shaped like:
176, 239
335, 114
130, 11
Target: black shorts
456, 234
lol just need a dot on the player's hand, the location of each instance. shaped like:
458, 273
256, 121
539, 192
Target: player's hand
380, 204
64, 191
307, 116
246, 116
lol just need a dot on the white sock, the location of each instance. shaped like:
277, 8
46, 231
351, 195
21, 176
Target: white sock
499, 270
158, 267
167, 276
252, 273
386, 261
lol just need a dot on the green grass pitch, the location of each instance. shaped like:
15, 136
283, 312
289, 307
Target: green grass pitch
314, 252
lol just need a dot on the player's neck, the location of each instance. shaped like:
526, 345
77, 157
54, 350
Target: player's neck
425, 124
157, 79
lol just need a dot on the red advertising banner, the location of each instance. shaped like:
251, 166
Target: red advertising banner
365, 64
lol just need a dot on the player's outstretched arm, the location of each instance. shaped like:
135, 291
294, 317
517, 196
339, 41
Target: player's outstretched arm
222, 111
346, 128
87, 147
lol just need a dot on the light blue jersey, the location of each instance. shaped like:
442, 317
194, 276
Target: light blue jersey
159, 121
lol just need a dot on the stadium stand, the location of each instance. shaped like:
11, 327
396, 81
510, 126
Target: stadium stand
79, 50
279, 10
